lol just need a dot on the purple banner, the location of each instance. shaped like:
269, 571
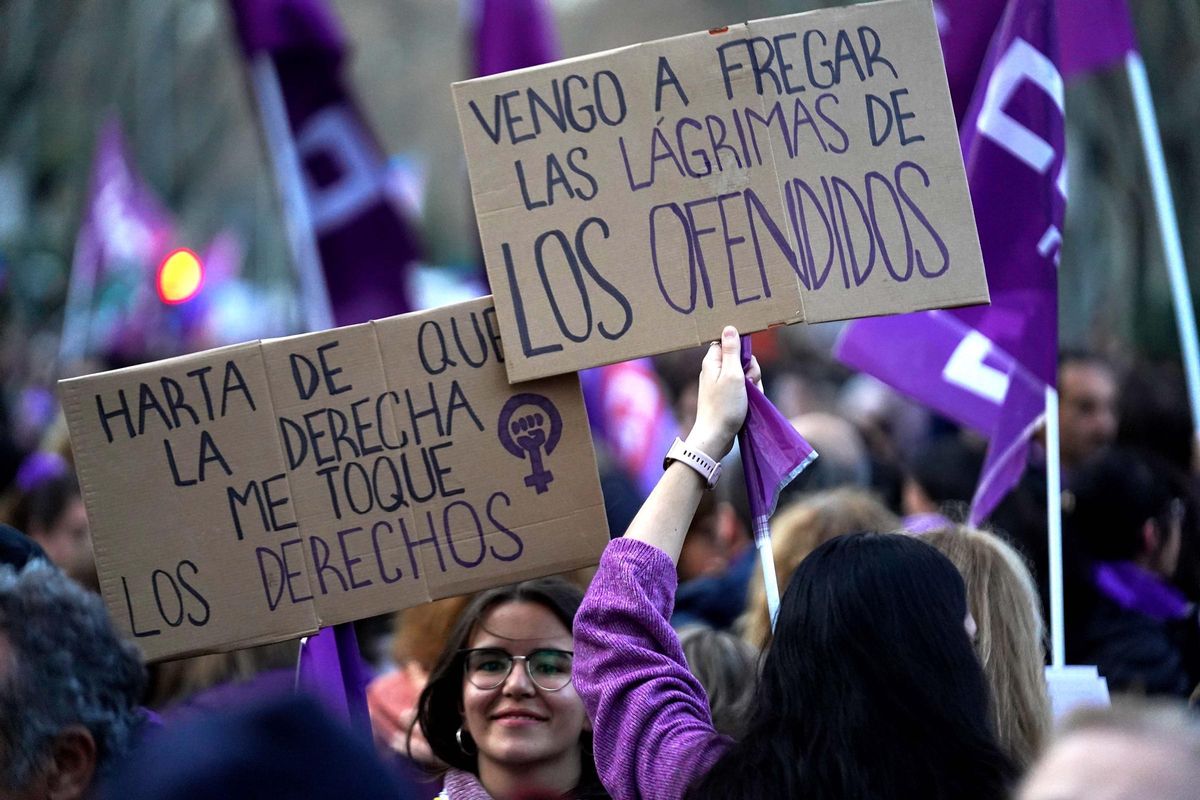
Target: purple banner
366, 245
124, 233
513, 34
332, 671
989, 371
1092, 35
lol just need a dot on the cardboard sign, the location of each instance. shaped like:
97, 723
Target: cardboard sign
258, 492
799, 168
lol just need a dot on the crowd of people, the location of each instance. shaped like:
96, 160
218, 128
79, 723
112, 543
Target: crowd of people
906, 659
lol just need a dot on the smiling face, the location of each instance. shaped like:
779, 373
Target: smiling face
517, 727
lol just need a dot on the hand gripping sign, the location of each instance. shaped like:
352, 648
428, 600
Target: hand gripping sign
258, 492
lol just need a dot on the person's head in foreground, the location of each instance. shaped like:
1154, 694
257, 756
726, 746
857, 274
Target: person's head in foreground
871, 688
1008, 639
280, 747
1132, 751
69, 686
500, 707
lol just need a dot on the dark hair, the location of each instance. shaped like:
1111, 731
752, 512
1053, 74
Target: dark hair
71, 667
871, 688
1154, 414
44, 503
1112, 498
440, 706
947, 469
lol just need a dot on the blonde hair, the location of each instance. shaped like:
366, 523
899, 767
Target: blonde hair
1007, 612
727, 668
798, 530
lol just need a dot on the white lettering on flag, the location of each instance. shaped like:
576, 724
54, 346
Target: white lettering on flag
966, 369
335, 134
1021, 62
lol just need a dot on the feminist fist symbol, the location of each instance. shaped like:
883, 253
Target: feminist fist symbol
527, 433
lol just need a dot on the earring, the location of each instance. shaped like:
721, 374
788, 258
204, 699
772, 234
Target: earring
458, 737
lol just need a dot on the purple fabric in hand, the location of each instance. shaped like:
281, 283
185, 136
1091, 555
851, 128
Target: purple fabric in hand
332, 671
773, 453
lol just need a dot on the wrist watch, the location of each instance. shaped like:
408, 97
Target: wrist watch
709, 469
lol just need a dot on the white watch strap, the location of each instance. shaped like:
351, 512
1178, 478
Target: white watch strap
708, 468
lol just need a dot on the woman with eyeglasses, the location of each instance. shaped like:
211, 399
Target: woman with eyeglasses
500, 707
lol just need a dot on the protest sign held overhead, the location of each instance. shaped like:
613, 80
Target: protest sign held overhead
799, 168
257, 492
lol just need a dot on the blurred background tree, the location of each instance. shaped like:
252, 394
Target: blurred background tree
170, 72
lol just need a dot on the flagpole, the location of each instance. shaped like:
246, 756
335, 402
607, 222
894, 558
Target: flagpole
1168, 227
81, 289
766, 557
297, 220
1054, 530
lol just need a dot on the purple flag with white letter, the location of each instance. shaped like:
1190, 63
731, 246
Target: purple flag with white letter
936, 358
125, 232
365, 243
1012, 142
1092, 35
988, 367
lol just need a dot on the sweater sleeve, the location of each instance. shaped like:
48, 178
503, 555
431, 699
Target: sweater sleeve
653, 731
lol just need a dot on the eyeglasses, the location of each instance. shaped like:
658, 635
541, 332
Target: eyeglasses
489, 667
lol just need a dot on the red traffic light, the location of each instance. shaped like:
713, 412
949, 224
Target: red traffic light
180, 276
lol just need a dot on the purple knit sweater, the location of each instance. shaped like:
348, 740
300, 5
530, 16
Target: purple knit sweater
653, 731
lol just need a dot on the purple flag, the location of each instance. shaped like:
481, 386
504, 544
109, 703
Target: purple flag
513, 34
989, 371
125, 232
936, 358
332, 670
773, 453
366, 245
1014, 150
1012, 142
1092, 35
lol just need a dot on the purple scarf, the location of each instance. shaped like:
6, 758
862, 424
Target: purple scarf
1137, 589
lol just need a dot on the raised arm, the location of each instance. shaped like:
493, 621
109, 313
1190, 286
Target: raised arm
653, 730
664, 518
